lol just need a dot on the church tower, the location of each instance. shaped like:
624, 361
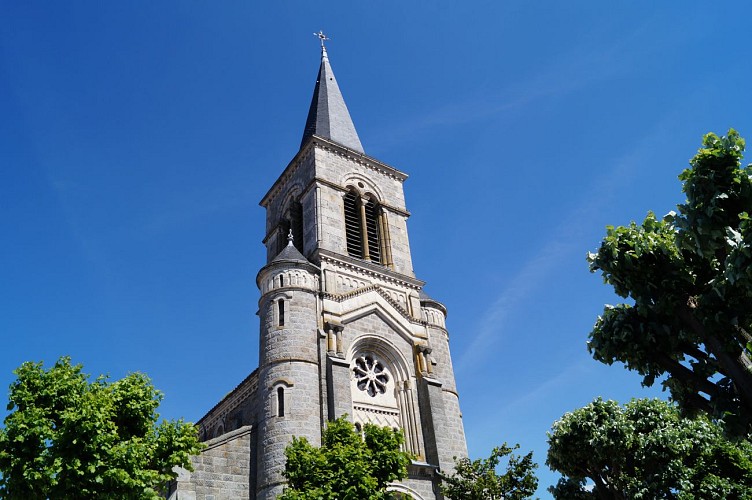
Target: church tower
345, 326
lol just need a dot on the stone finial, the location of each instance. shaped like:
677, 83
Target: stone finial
289, 238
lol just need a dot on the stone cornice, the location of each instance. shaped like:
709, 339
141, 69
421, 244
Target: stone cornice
341, 297
228, 436
235, 398
286, 264
391, 208
369, 268
363, 159
327, 145
289, 170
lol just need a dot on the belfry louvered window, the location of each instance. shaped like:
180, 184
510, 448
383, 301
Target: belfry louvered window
363, 228
372, 231
353, 225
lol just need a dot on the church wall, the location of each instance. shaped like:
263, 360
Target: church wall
344, 171
220, 472
331, 207
449, 444
423, 482
298, 176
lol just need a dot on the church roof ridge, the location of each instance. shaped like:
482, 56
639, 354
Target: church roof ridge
328, 116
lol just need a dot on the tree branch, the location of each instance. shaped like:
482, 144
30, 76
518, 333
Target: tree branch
739, 369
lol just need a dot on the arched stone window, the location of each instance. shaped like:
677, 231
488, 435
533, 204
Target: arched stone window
382, 391
364, 228
292, 219
280, 398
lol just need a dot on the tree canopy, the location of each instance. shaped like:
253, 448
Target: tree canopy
347, 466
67, 437
478, 479
646, 450
690, 277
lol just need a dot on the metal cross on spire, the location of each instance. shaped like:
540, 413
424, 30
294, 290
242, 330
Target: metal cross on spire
322, 38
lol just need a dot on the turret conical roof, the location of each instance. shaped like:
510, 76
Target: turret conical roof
328, 116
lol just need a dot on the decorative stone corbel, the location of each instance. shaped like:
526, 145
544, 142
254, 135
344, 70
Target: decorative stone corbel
334, 339
424, 360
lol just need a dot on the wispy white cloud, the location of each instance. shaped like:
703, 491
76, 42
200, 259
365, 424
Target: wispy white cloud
581, 67
567, 238
563, 378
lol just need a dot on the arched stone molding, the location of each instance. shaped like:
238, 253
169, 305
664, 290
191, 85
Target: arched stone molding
433, 316
401, 488
280, 316
274, 392
219, 430
373, 303
385, 350
293, 194
398, 408
362, 185
290, 278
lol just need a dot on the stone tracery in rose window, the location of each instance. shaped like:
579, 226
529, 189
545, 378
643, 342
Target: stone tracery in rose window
370, 374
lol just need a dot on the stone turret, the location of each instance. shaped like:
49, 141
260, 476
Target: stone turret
288, 374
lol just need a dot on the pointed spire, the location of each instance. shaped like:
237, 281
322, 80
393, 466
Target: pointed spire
328, 116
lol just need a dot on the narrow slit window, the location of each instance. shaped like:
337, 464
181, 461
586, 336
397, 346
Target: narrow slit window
280, 401
281, 312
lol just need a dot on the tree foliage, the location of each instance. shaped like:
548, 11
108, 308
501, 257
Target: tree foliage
347, 466
478, 479
646, 450
690, 277
67, 437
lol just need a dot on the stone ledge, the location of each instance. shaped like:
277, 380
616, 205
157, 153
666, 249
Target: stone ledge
226, 437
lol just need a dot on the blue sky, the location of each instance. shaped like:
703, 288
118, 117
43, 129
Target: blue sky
136, 139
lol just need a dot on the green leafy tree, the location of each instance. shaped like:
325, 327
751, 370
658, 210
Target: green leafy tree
67, 437
646, 450
347, 466
478, 479
690, 277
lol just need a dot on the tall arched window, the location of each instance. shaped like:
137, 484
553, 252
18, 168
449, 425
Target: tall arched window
280, 401
363, 228
292, 219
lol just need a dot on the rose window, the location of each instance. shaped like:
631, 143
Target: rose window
370, 375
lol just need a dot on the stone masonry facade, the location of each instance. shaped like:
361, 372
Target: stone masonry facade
345, 326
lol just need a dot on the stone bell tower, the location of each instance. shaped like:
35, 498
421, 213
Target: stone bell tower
345, 326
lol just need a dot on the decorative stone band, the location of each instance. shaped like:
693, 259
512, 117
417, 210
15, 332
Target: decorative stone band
242, 392
369, 269
340, 297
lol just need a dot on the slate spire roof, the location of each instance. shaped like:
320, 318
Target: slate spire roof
290, 253
328, 116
